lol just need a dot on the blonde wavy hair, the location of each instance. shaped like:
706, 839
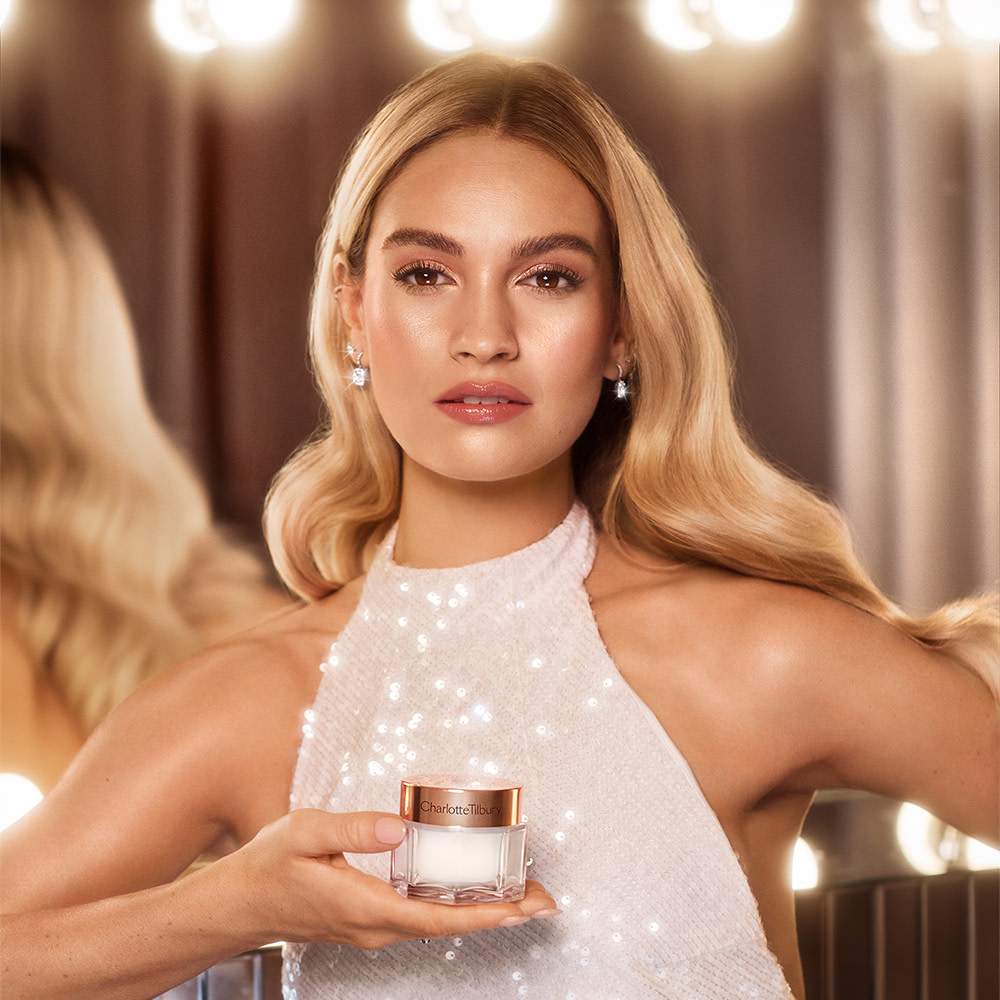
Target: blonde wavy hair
104, 525
674, 473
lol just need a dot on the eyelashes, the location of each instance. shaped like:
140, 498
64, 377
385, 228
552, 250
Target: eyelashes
420, 274
553, 278
544, 277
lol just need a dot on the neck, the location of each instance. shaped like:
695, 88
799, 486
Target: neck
443, 523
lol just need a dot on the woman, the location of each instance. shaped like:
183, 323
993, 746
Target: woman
535, 544
110, 564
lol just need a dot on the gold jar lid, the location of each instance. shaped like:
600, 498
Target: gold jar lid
454, 800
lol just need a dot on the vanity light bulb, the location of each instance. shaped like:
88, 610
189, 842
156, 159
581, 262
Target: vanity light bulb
176, 26
433, 22
251, 22
753, 22
672, 23
903, 29
977, 20
511, 20
18, 796
805, 867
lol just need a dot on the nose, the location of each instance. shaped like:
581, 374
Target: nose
485, 327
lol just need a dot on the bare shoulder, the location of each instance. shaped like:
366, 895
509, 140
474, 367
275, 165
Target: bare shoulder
772, 687
203, 752
735, 628
749, 632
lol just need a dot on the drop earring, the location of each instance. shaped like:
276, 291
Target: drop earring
359, 373
621, 387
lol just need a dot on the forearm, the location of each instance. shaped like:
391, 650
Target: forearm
127, 947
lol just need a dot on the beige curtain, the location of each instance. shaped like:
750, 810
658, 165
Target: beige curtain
914, 313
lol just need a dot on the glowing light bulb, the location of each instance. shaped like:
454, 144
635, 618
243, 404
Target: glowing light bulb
174, 25
671, 22
979, 856
805, 869
915, 832
18, 795
902, 29
431, 23
251, 22
753, 22
977, 20
511, 20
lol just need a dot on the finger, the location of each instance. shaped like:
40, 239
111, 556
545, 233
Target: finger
537, 902
318, 833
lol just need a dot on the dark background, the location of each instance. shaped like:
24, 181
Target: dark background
209, 177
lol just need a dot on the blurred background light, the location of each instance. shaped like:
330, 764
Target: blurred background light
672, 22
511, 20
5, 8
933, 847
251, 22
433, 22
689, 25
805, 868
197, 26
922, 25
753, 22
977, 20
18, 795
453, 25
176, 26
904, 27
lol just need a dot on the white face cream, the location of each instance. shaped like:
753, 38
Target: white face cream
465, 842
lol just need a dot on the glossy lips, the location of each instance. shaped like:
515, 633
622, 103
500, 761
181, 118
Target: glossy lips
483, 402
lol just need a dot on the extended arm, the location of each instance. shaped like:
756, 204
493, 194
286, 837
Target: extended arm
291, 882
91, 901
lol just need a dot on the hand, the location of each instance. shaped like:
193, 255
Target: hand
301, 888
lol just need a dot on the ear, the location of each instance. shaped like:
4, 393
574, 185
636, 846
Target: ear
618, 349
347, 291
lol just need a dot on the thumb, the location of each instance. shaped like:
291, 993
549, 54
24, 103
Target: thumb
326, 833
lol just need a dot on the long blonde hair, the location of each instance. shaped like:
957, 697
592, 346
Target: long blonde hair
674, 473
104, 525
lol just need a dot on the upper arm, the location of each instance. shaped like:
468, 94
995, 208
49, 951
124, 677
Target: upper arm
157, 783
872, 709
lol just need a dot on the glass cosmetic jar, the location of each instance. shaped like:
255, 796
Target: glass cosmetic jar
465, 842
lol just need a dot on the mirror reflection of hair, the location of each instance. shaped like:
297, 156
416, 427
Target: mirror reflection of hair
112, 567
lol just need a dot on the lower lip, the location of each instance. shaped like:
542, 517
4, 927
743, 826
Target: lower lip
479, 413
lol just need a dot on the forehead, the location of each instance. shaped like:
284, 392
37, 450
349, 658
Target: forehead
483, 183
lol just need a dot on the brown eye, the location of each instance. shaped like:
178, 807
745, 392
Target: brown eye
421, 275
547, 279
552, 279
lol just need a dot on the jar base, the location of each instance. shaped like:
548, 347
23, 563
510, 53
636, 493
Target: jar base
464, 895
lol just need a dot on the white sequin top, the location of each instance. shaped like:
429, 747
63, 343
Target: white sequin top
498, 669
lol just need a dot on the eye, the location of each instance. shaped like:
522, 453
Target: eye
552, 278
420, 274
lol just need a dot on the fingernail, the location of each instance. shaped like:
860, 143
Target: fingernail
540, 914
389, 830
513, 921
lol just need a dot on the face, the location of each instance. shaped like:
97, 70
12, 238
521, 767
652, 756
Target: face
486, 310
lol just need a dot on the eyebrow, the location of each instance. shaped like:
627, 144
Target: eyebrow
422, 238
527, 248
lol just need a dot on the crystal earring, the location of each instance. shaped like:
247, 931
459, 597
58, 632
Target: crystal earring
621, 387
359, 373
